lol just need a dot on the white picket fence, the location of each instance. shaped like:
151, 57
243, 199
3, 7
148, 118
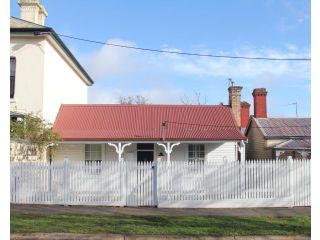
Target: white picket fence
256, 183
268, 183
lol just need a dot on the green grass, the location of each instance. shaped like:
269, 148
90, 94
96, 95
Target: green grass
160, 225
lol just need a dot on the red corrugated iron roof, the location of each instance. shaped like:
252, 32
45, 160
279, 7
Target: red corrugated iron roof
119, 122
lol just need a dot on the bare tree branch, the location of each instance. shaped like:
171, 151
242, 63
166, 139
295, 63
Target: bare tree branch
138, 99
193, 100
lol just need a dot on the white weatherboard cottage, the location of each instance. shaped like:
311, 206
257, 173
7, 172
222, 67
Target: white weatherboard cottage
43, 72
144, 133
140, 133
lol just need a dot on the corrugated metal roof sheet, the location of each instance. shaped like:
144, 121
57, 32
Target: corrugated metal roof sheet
295, 144
284, 127
115, 122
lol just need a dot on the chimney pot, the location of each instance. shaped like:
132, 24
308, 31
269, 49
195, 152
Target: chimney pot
234, 102
260, 102
32, 11
245, 114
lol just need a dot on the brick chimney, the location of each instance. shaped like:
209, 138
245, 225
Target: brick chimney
245, 114
234, 102
260, 102
32, 11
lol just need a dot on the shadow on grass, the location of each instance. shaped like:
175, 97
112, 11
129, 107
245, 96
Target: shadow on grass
161, 225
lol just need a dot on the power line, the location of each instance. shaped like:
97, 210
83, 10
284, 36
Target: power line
232, 126
184, 53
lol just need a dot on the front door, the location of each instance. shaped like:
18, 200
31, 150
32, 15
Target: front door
145, 156
145, 152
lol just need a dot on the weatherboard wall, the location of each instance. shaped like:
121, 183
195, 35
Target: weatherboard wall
213, 151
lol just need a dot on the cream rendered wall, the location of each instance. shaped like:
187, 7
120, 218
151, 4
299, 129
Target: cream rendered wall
44, 80
29, 54
61, 84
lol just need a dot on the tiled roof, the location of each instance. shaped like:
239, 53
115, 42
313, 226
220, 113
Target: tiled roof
106, 122
284, 127
295, 144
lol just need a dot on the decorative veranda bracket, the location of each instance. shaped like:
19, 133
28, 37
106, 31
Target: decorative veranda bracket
119, 148
168, 148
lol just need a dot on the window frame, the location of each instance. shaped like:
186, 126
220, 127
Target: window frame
196, 152
13, 76
96, 168
94, 150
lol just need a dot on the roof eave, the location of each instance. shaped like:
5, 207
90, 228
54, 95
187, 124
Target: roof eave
48, 30
286, 137
82, 140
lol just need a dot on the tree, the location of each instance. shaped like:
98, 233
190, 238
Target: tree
34, 130
195, 100
138, 99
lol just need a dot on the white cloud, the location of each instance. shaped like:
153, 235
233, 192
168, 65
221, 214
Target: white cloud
291, 47
111, 61
165, 78
249, 69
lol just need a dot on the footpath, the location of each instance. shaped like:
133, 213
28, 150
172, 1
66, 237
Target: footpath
149, 211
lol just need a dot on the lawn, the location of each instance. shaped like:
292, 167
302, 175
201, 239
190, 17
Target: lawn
160, 225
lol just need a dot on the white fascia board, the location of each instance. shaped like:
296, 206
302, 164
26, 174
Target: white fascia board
99, 142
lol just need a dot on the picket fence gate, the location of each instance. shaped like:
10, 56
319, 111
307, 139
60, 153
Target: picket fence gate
190, 184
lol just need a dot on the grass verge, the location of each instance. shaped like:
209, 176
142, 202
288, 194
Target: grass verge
160, 225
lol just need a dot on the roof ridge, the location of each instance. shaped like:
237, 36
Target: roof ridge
139, 105
285, 118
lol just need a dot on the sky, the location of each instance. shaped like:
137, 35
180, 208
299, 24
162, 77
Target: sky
253, 28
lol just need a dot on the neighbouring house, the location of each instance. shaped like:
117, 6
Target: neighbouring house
106, 132
43, 72
276, 138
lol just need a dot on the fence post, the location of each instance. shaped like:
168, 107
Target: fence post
155, 185
242, 178
291, 183
65, 181
50, 182
123, 181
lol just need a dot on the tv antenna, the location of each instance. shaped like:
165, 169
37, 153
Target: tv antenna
230, 82
294, 103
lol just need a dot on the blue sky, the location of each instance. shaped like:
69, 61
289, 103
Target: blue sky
266, 28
